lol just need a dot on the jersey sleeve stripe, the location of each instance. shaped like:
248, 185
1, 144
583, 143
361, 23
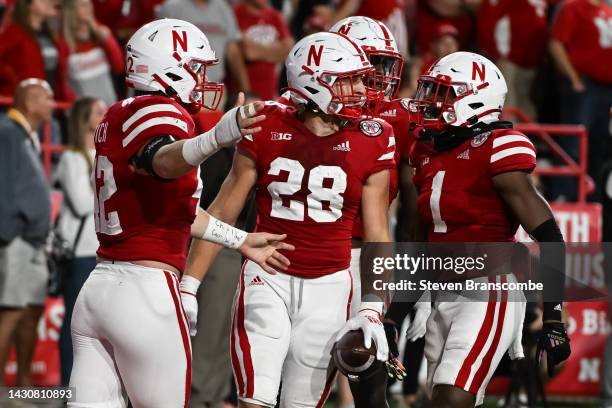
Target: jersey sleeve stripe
502, 140
387, 156
511, 152
140, 113
154, 122
391, 141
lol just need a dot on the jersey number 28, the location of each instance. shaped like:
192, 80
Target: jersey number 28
319, 194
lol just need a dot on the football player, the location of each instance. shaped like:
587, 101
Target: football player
474, 186
315, 164
129, 330
379, 45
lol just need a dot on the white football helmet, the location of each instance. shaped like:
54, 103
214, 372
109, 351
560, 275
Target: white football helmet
324, 71
461, 89
378, 43
171, 56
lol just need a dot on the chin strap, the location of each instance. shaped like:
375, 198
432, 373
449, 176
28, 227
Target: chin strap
452, 137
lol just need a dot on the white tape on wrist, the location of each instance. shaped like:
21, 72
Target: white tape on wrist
223, 234
189, 284
199, 148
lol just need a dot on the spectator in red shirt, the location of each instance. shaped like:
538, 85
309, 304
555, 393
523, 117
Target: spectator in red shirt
581, 46
446, 42
29, 49
124, 17
266, 42
513, 33
94, 52
431, 14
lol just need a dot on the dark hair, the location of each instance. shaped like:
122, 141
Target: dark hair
21, 16
78, 121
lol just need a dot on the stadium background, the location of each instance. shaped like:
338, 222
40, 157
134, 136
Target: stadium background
559, 109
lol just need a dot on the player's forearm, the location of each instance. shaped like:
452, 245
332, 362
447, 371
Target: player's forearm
557, 50
201, 256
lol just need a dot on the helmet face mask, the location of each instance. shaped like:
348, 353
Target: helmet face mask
172, 56
377, 42
388, 69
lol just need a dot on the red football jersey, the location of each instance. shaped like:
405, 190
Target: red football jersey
585, 29
457, 200
310, 187
395, 113
139, 217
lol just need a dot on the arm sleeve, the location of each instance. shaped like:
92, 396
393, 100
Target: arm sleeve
148, 118
9, 159
113, 53
564, 24
73, 177
281, 26
512, 151
385, 154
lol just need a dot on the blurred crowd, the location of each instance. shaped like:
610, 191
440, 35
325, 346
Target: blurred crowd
556, 57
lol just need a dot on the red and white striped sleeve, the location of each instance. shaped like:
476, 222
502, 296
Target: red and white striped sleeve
148, 117
385, 154
511, 151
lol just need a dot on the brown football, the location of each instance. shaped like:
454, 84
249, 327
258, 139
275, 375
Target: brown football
351, 356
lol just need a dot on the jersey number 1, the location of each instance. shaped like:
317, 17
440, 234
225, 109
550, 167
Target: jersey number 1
434, 202
105, 223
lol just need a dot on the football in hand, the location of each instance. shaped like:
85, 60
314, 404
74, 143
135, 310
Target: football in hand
352, 358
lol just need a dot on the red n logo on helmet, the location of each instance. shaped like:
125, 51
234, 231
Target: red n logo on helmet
179, 40
344, 29
314, 54
478, 69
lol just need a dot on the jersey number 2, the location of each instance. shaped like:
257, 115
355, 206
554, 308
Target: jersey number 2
318, 193
105, 223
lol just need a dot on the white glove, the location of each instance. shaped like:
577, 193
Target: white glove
418, 325
188, 288
368, 321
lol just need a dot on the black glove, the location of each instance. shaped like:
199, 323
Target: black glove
554, 341
395, 368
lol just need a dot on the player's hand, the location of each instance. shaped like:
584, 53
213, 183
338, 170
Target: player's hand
368, 321
554, 341
238, 122
263, 249
418, 323
395, 368
188, 288
248, 115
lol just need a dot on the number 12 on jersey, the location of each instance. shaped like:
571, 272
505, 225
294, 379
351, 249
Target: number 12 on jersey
105, 223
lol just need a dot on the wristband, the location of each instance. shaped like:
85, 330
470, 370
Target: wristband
189, 285
223, 234
199, 148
